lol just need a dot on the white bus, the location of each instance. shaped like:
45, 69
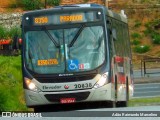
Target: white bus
76, 53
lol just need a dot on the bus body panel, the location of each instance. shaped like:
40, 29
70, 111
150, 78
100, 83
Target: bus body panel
118, 73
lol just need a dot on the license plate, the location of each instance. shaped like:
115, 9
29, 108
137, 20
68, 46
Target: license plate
67, 100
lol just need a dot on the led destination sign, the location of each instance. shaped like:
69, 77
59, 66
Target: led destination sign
54, 19
65, 18
41, 20
71, 18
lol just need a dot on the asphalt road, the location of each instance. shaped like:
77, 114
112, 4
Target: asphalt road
137, 113
147, 90
150, 73
147, 85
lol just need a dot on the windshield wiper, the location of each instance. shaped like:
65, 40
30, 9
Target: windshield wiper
51, 37
76, 36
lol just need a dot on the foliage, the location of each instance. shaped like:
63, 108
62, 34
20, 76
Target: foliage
53, 2
135, 35
145, 1
137, 24
14, 31
9, 33
151, 31
147, 31
150, 25
156, 38
15, 3
32, 4
85, 1
11, 91
2, 32
141, 48
135, 42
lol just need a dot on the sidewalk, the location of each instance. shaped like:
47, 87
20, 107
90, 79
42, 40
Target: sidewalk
152, 76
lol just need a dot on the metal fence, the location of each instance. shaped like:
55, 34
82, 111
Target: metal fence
144, 67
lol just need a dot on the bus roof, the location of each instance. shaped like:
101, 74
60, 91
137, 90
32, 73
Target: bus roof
81, 5
108, 12
120, 17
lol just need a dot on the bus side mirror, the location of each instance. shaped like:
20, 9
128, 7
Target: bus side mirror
20, 41
17, 42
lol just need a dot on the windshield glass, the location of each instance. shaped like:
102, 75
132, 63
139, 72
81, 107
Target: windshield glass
86, 53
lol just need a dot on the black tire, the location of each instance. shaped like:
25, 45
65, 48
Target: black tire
111, 104
122, 104
38, 109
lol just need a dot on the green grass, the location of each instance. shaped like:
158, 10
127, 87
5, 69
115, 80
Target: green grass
11, 90
144, 101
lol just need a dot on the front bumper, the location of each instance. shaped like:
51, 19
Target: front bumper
44, 98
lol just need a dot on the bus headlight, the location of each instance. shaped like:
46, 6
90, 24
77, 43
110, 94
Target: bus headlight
30, 84
102, 81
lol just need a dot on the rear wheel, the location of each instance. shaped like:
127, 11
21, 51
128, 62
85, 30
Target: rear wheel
121, 104
111, 104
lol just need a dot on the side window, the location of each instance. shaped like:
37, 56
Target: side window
125, 39
115, 37
110, 35
120, 38
117, 41
127, 42
114, 34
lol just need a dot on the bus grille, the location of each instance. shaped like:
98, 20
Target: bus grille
78, 96
64, 79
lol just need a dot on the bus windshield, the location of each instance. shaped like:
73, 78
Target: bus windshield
76, 50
